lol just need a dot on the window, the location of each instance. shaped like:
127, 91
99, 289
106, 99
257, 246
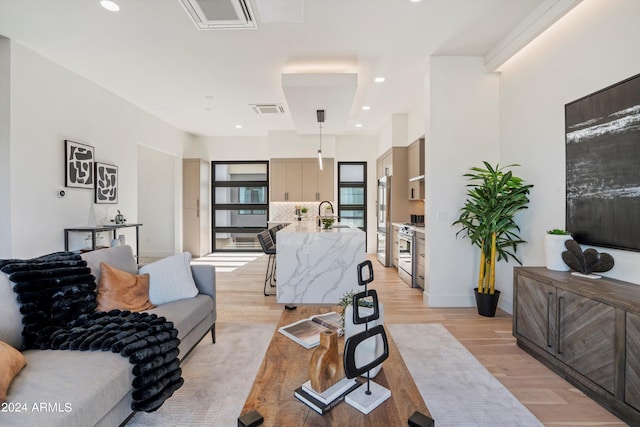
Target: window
252, 195
240, 204
352, 193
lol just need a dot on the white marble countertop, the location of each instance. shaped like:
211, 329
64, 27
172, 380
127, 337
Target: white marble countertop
312, 227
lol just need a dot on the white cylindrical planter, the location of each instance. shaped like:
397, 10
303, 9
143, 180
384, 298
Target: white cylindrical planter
371, 348
553, 248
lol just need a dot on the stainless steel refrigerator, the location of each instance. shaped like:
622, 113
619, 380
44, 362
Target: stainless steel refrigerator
383, 214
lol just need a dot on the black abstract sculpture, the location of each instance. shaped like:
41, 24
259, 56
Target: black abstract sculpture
587, 262
365, 401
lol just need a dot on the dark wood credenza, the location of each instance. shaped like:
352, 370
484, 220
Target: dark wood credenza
585, 330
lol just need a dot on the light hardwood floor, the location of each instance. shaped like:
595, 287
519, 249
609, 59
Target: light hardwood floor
551, 399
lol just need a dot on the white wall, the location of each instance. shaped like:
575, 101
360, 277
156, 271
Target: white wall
157, 173
394, 133
5, 148
416, 122
592, 47
48, 105
463, 131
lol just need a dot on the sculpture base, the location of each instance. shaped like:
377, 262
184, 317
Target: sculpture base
586, 276
364, 402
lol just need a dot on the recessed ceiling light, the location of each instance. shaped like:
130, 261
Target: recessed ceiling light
415, 1
238, 126
110, 5
358, 125
366, 107
378, 79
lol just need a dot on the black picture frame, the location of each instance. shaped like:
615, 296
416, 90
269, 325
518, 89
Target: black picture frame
79, 165
602, 141
106, 191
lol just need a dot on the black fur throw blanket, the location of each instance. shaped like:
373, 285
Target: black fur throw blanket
57, 297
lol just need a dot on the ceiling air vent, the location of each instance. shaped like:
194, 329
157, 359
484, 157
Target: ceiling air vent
220, 14
267, 108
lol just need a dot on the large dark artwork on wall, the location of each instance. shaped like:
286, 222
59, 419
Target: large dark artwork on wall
78, 164
603, 166
106, 183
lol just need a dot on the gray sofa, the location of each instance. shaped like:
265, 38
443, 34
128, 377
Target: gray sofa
86, 388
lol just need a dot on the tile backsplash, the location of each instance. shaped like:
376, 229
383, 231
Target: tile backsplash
284, 211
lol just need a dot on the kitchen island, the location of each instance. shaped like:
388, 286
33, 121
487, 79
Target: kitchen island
316, 265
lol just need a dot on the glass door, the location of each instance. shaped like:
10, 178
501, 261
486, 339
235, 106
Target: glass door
352, 194
240, 205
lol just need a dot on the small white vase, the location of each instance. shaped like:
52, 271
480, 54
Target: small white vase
553, 248
371, 348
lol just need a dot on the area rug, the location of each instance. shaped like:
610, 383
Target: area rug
217, 379
457, 389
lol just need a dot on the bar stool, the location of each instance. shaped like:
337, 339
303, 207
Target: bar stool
273, 230
269, 248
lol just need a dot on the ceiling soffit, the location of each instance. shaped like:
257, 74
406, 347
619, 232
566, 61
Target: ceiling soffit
308, 92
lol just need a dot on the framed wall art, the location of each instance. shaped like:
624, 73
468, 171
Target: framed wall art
602, 133
106, 183
78, 165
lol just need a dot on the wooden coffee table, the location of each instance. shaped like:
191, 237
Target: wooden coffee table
286, 366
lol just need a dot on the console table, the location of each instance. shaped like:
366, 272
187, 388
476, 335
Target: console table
101, 228
585, 330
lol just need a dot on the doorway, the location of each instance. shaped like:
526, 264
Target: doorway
240, 204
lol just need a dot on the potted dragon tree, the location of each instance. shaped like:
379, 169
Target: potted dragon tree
494, 196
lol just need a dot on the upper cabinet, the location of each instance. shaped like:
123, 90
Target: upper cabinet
286, 180
301, 180
415, 157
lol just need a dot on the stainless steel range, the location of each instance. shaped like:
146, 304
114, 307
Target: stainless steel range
406, 254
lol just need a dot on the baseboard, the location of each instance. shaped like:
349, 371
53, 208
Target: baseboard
505, 304
448, 300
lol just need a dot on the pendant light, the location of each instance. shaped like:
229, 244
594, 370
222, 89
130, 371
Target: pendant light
320, 117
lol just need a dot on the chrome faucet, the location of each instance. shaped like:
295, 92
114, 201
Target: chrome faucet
320, 210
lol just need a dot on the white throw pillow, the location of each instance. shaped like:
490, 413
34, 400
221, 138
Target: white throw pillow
170, 279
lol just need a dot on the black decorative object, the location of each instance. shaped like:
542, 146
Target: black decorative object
365, 400
250, 419
106, 183
587, 262
350, 367
418, 419
361, 299
78, 165
602, 175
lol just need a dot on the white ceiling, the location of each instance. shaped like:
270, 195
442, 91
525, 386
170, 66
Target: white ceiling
203, 81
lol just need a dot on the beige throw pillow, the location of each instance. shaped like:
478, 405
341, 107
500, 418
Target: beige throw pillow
118, 289
11, 362
171, 279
